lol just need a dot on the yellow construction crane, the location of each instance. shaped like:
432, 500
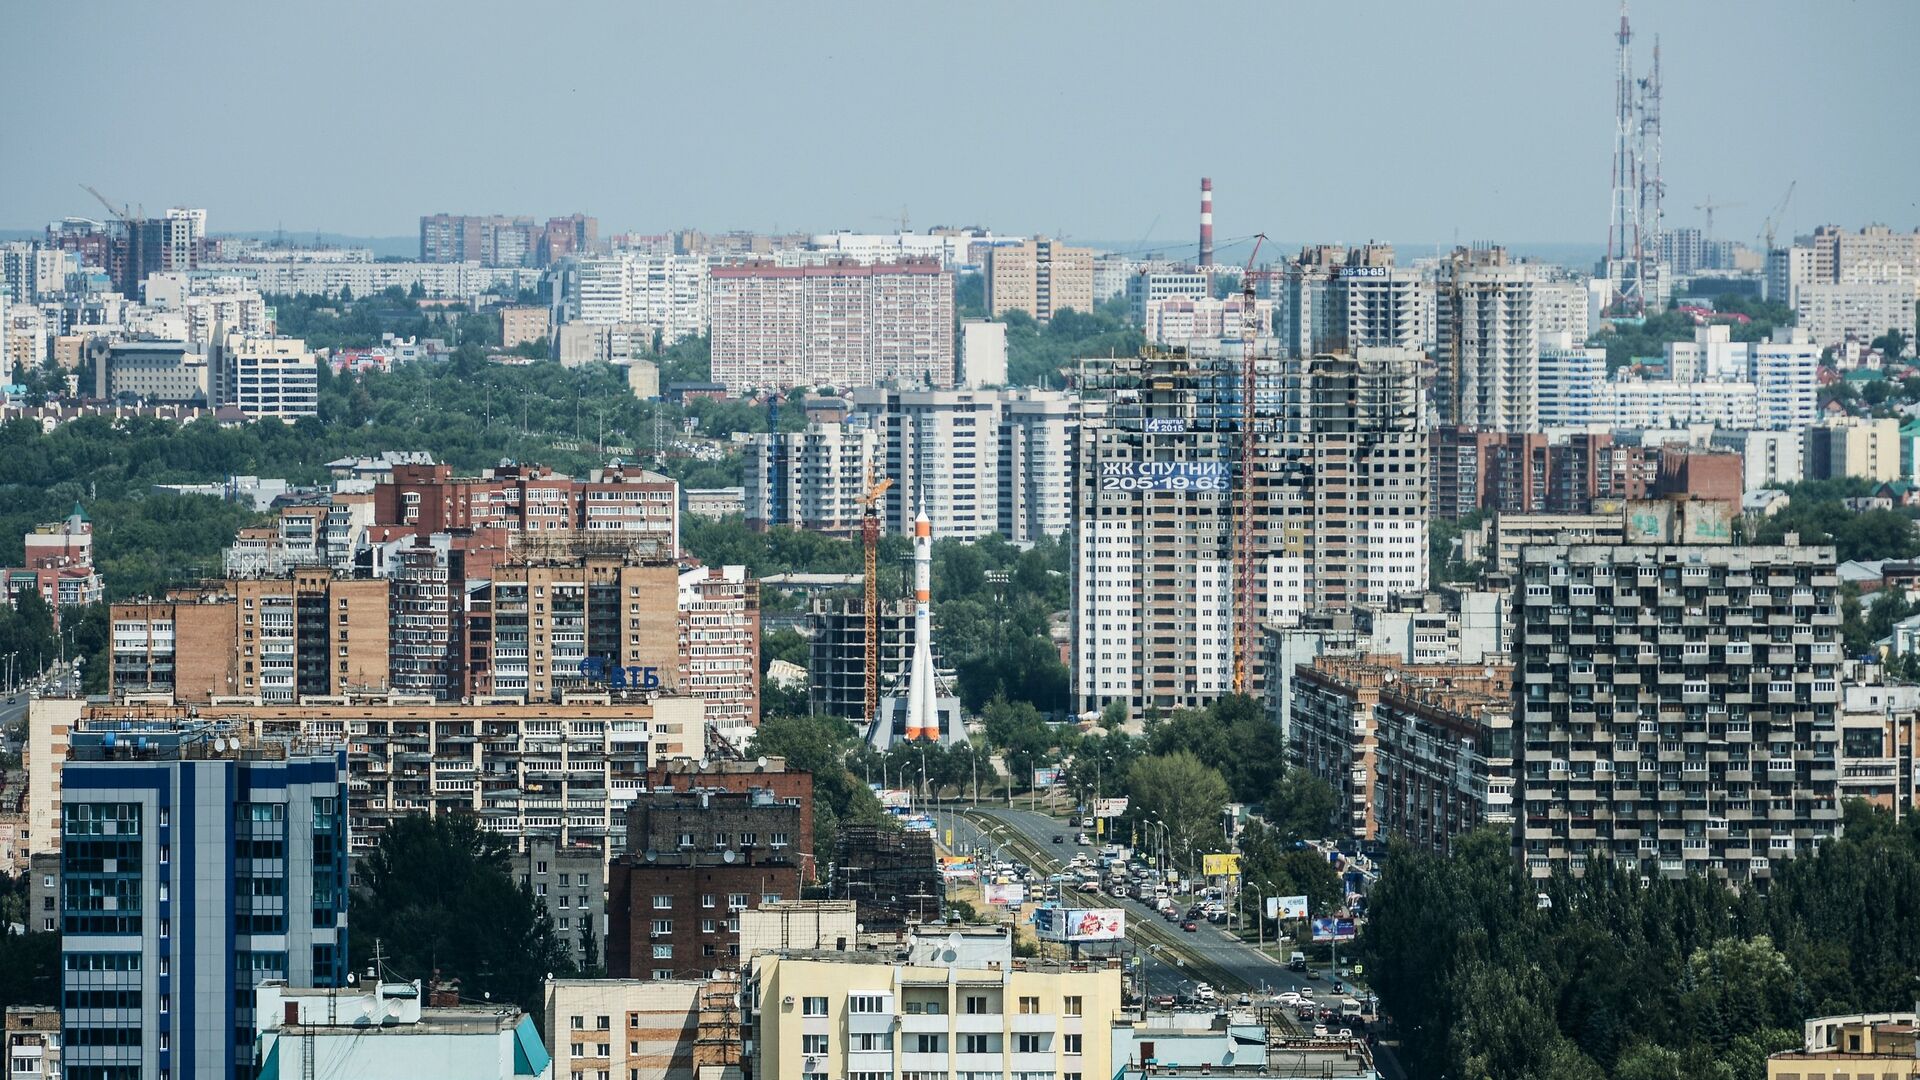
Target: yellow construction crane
870, 535
1774, 218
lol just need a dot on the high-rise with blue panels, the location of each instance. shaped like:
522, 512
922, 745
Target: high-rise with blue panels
194, 866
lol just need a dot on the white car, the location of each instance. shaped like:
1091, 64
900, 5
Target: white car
1290, 999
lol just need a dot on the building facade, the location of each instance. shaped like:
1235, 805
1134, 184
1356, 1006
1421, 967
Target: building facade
192, 871
1418, 752
861, 1015
695, 860
1488, 345
1675, 706
1341, 496
777, 327
1039, 277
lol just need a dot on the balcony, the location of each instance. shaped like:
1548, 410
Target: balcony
873, 1061
925, 1024
979, 1022
928, 1063
1032, 1022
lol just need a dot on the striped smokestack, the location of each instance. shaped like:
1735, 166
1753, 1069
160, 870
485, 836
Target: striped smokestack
1206, 221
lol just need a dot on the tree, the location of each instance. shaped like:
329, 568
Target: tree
820, 745
438, 895
1301, 806
1183, 793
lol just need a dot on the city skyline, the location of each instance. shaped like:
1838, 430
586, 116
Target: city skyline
942, 152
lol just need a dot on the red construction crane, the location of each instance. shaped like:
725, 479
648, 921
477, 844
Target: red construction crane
1243, 545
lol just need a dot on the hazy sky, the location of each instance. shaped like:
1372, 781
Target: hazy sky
1415, 122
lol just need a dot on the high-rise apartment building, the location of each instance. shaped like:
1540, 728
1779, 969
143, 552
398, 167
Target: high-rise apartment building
1331, 299
496, 240
1163, 283
528, 501
1487, 351
1675, 704
837, 652
776, 327
1418, 752
720, 646
666, 294
1341, 495
1037, 430
1039, 277
1832, 313
562, 771
195, 865
1867, 448
942, 449
813, 478
1569, 379
1177, 322
278, 639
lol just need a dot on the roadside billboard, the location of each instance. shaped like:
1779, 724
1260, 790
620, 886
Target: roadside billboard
1165, 476
1046, 778
1217, 865
1334, 929
1110, 808
1012, 894
1286, 907
1079, 924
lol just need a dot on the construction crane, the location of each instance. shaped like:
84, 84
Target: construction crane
1773, 218
1709, 206
124, 213
1243, 545
870, 535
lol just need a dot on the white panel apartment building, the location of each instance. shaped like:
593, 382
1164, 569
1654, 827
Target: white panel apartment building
776, 327
942, 449
665, 293
1341, 493
812, 479
1488, 343
1570, 378
1037, 430
1832, 312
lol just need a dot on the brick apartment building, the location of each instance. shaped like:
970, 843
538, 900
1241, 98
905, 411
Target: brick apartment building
528, 500
694, 861
1531, 473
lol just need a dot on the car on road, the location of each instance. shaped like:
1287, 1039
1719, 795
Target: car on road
1297, 962
1168, 915
1337, 988
1059, 839
1082, 840
1190, 926
1163, 1001
1246, 1000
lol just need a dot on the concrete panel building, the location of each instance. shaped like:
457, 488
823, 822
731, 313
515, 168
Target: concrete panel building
777, 327
1675, 706
1039, 277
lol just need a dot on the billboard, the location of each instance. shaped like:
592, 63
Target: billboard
1110, 808
1046, 777
1217, 865
1079, 924
1164, 425
1165, 476
1012, 894
1286, 907
1329, 929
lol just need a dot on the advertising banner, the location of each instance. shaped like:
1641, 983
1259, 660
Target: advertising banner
1286, 907
1079, 924
1334, 929
1012, 894
1165, 476
1110, 808
1046, 778
1220, 865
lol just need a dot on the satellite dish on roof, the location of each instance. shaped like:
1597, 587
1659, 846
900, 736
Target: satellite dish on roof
763, 761
729, 856
652, 855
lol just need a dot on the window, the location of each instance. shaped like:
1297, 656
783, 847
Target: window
1027, 1044
663, 952
873, 1040
662, 974
706, 900
579, 1049
1071, 1005
540, 867
707, 926
769, 898
779, 839
1070, 1044
1029, 1006
928, 1044
976, 1005
866, 1003
813, 1044
662, 926
736, 901
579, 1023
813, 1006
975, 1044
662, 902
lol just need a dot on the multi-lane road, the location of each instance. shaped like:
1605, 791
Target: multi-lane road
1209, 954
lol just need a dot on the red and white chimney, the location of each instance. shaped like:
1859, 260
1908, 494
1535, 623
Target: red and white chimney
1206, 222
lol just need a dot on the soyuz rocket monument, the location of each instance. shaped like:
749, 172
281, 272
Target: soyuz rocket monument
916, 710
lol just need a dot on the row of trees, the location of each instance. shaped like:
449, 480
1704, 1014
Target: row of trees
1488, 973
